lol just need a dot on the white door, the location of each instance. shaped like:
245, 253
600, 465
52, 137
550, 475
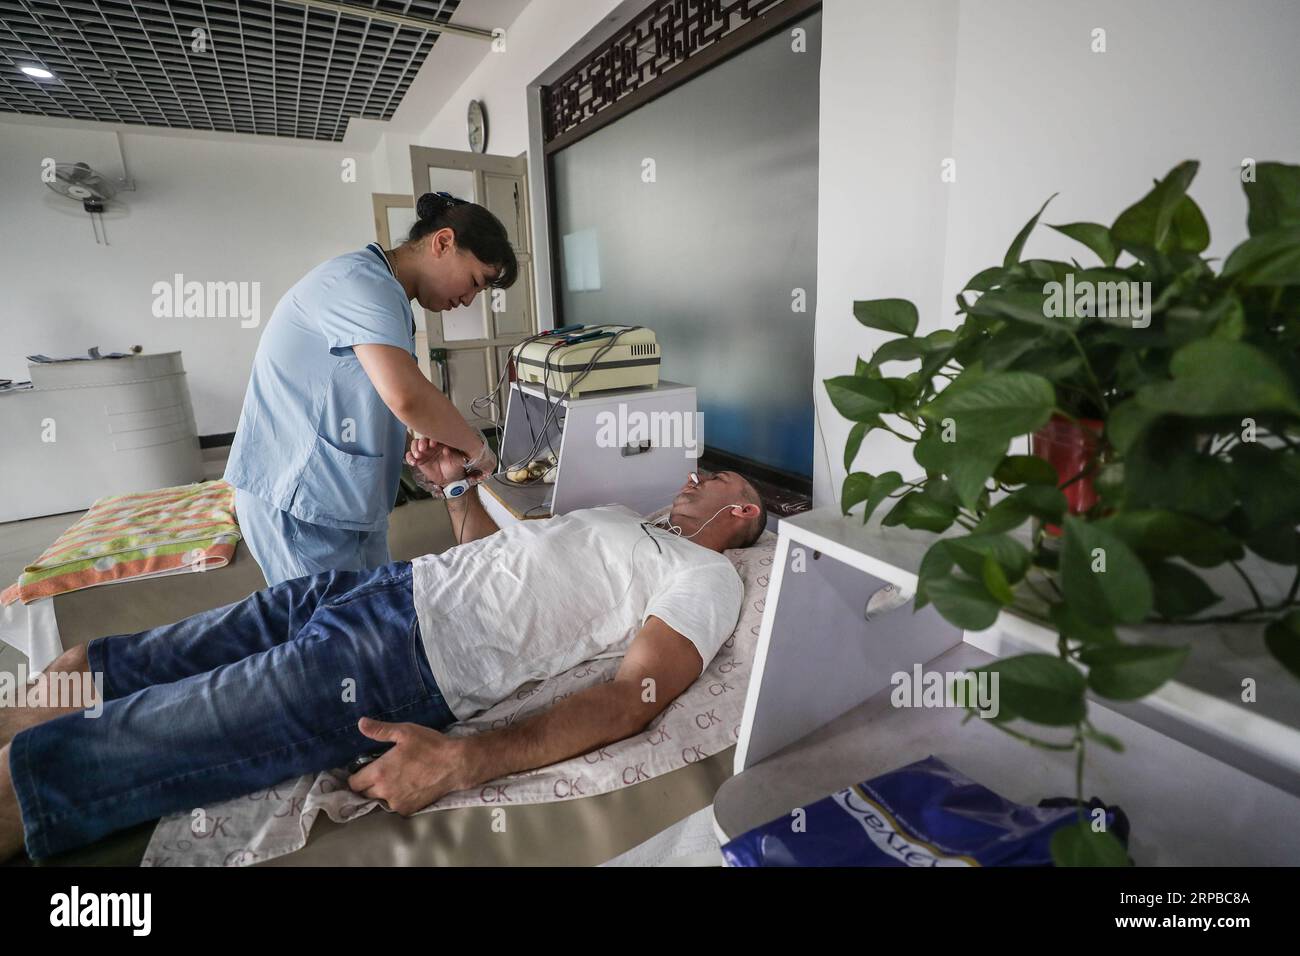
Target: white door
468, 345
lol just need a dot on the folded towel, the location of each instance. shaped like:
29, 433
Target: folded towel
143, 535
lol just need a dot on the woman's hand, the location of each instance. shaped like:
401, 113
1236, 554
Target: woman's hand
485, 465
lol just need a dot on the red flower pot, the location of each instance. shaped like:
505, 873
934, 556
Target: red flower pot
1069, 447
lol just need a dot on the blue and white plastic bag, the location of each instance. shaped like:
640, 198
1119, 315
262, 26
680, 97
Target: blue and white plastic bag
925, 814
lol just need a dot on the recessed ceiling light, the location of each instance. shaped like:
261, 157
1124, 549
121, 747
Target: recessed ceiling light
37, 72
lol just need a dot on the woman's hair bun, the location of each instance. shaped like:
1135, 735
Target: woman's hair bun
474, 229
432, 204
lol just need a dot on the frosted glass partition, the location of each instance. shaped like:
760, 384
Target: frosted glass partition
696, 215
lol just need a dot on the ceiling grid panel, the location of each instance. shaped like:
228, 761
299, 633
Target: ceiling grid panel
272, 67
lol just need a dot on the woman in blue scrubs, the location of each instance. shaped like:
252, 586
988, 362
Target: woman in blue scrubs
318, 453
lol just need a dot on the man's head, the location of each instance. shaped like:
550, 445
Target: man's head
722, 511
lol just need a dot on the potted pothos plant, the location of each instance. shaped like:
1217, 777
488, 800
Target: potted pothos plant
1163, 397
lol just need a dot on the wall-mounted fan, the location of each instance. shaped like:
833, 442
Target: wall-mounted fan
92, 189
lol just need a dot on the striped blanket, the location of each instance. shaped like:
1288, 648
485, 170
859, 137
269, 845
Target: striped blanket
149, 534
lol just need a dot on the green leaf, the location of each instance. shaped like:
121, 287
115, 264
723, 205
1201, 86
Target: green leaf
937, 563
1282, 638
1070, 625
1149, 224
986, 279
1271, 259
857, 486
940, 339
1079, 845
1048, 270
1159, 533
1055, 363
1189, 231
905, 391
1118, 592
1018, 244
996, 583
1034, 306
1008, 344
899, 350
1131, 671
1280, 545
1165, 471
1229, 319
1179, 592
997, 405
1025, 470
1093, 235
963, 602
970, 551
921, 512
933, 361
1111, 296
1045, 502
859, 399
1268, 483
1274, 197
877, 490
1041, 688
1126, 422
1221, 377
967, 465
942, 491
891, 315
854, 444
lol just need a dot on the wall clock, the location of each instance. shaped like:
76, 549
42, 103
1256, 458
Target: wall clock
477, 122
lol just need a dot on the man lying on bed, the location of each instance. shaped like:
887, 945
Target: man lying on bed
306, 675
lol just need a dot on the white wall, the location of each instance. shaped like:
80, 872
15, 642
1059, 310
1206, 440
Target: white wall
886, 125
213, 208
542, 32
1011, 90
1037, 112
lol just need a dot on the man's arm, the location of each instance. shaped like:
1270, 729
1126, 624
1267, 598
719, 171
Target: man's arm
442, 465
425, 764
469, 519
659, 665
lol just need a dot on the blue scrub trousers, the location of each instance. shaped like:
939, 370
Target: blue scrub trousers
227, 702
286, 547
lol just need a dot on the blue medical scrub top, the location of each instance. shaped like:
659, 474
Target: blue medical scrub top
314, 437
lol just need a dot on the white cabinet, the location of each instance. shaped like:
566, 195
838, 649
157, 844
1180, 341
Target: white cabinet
1205, 778
87, 429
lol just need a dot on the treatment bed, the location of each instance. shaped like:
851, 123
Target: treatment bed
590, 830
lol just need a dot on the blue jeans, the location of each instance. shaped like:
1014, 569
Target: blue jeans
228, 702
287, 547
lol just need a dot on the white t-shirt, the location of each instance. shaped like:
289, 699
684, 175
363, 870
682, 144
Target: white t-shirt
539, 597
